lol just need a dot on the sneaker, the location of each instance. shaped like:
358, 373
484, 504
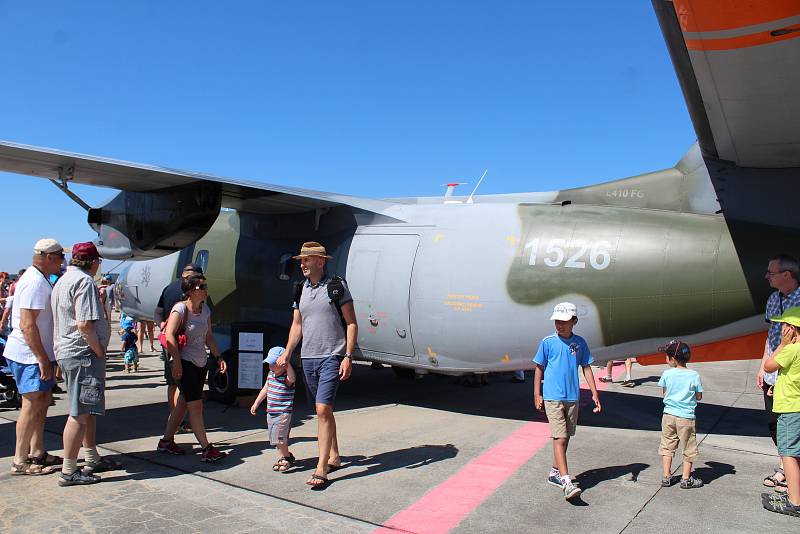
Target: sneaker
78, 478
170, 447
666, 482
691, 482
606, 379
571, 490
555, 480
212, 454
104, 464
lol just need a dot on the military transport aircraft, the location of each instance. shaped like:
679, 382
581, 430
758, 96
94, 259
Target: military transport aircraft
467, 285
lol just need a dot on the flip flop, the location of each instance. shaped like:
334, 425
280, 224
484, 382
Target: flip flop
284, 463
321, 482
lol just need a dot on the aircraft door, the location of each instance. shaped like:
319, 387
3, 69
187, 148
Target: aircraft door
379, 278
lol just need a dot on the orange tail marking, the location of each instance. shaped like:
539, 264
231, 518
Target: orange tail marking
716, 15
749, 347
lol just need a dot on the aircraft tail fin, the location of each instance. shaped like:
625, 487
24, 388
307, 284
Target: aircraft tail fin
686, 187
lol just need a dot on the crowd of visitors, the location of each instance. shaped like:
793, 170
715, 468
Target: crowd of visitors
57, 321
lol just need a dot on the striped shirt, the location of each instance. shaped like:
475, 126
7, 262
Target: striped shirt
75, 299
280, 396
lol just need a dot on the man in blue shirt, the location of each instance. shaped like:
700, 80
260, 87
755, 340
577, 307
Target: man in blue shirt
558, 359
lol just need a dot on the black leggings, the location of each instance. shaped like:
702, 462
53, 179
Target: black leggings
772, 417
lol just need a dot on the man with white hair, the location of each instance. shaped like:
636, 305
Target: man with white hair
30, 355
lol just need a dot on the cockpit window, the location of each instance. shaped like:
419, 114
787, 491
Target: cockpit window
202, 260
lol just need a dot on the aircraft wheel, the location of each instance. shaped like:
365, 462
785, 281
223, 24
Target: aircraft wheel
223, 387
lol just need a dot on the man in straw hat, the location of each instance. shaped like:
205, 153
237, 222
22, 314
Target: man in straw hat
327, 348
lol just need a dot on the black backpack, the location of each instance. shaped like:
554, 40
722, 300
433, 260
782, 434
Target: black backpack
335, 292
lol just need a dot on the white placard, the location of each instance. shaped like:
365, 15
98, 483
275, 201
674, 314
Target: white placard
251, 341
251, 370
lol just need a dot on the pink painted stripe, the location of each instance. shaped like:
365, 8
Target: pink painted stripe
445, 506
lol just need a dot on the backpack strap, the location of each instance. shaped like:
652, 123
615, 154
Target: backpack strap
297, 291
335, 293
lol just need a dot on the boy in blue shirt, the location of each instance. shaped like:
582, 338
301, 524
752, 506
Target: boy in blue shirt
558, 359
682, 389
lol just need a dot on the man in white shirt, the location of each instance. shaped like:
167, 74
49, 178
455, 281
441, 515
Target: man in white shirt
30, 356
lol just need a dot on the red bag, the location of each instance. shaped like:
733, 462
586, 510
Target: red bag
162, 337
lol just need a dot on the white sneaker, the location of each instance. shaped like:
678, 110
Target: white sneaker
571, 490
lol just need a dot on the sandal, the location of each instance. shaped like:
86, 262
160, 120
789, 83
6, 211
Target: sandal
284, 463
782, 507
46, 459
31, 467
771, 481
318, 482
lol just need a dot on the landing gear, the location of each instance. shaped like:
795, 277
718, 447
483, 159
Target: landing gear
473, 380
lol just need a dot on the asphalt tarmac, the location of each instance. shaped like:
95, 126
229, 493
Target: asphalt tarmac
422, 456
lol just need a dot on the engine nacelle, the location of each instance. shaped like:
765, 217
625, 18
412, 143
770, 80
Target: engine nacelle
152, 224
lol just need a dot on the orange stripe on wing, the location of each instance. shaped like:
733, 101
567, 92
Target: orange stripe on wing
716, 15
745, 41
749, 347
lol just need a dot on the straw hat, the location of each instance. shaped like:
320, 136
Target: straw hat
312, 248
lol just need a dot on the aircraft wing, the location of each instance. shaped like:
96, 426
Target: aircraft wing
254, 197
738, 64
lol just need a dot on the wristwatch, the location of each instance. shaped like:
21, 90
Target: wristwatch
350, 356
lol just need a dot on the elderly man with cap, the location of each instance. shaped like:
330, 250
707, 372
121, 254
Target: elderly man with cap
81, 336
170, 296
29, 352
328, 342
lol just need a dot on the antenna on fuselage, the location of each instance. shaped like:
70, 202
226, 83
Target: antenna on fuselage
469, 200
448, 195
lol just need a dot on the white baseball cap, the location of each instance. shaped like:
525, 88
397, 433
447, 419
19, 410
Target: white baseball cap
47, 246
564, 311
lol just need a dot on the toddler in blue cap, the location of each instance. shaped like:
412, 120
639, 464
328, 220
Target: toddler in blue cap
279, 392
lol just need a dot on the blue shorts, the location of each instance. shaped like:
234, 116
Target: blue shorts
28, 377
789, 434
322, 378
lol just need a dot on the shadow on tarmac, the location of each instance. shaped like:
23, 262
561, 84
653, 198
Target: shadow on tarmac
593, 477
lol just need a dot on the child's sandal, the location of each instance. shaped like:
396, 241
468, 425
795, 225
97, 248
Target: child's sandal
284, 463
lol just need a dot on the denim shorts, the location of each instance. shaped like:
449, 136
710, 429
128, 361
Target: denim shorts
28, 377
789, 434
85, 380
322, 378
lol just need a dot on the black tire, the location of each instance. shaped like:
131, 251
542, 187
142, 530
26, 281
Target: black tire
223, 387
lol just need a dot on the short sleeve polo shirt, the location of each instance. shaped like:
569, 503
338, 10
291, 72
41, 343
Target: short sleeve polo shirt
323, 333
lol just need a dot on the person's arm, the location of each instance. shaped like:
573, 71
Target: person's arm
30, 331
761, 370
787, 338
261, 396
173, 323
588, 375
291, 376
5, 317
89, 334
538, 402
699, 395
349, 314
295, 334
211, 343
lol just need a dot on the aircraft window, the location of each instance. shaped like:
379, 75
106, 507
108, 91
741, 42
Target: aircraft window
202, 259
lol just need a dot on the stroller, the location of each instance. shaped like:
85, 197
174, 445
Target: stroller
9, 395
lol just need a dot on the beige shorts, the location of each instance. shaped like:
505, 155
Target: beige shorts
562, 416
676, 430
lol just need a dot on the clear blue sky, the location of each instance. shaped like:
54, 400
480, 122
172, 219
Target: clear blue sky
368, 98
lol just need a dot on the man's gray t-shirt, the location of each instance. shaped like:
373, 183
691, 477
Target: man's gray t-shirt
323, 333
75, 299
